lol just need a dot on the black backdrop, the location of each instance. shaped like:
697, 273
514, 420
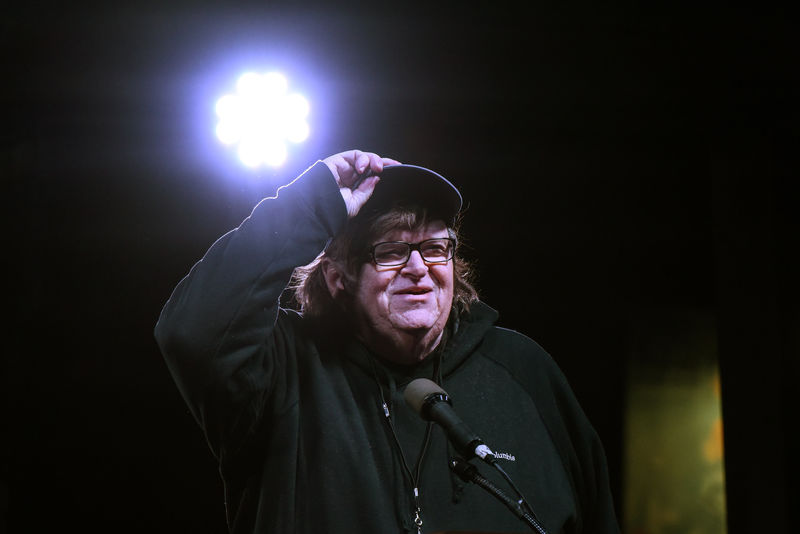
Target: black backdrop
615, 160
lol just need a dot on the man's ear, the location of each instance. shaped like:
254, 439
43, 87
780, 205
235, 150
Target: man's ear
334, 278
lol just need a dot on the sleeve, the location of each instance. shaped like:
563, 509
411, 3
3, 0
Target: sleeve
581, 450
576, 440
218, 333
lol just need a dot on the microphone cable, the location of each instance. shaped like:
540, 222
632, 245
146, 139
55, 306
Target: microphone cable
469, 473
522, 500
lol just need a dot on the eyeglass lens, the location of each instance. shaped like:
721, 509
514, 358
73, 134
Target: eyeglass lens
438, 250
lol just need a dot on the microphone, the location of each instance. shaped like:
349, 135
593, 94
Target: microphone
432, 403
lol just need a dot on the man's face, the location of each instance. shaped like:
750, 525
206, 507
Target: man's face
410, 301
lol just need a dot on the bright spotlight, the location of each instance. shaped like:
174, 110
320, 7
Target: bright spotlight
261, 117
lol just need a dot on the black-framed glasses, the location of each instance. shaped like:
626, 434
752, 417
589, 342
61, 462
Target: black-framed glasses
394, 253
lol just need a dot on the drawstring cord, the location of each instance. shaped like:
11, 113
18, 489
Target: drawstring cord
414, 475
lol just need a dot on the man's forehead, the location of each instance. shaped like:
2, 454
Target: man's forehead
431, 229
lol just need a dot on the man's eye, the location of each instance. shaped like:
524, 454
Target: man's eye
391, 251
392, 254
438, 249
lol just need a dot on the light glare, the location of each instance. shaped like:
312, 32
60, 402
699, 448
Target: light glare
261, 117
227, 132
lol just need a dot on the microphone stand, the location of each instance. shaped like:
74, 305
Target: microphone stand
468, 473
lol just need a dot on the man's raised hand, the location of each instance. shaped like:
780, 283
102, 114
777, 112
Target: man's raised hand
357, 174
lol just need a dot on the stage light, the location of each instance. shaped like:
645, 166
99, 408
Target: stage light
261, 117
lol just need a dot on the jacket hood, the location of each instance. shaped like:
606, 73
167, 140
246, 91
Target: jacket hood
468, 330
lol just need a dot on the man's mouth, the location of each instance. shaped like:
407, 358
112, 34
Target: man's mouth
414, 291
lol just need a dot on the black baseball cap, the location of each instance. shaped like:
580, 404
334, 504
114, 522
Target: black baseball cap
403, 185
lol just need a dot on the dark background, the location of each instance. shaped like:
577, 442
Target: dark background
619, 162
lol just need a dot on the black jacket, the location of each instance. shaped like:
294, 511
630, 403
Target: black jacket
295, 414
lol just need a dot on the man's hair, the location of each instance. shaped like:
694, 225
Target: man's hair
349, 250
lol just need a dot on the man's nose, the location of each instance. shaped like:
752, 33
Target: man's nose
415, 264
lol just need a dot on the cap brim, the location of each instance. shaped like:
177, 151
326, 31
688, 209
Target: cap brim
415, 185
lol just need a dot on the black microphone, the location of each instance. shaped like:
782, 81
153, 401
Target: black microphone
432, 403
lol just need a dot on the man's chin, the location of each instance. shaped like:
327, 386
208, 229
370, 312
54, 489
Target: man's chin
415, 322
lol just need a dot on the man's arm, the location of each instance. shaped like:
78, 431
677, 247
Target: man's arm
217, 330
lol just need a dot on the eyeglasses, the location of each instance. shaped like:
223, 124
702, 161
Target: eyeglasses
393, 253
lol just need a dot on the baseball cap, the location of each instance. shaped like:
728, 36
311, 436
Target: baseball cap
404, 184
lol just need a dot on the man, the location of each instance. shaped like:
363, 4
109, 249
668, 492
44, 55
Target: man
304, 410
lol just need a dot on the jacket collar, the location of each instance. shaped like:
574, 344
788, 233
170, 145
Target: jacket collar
465, 333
